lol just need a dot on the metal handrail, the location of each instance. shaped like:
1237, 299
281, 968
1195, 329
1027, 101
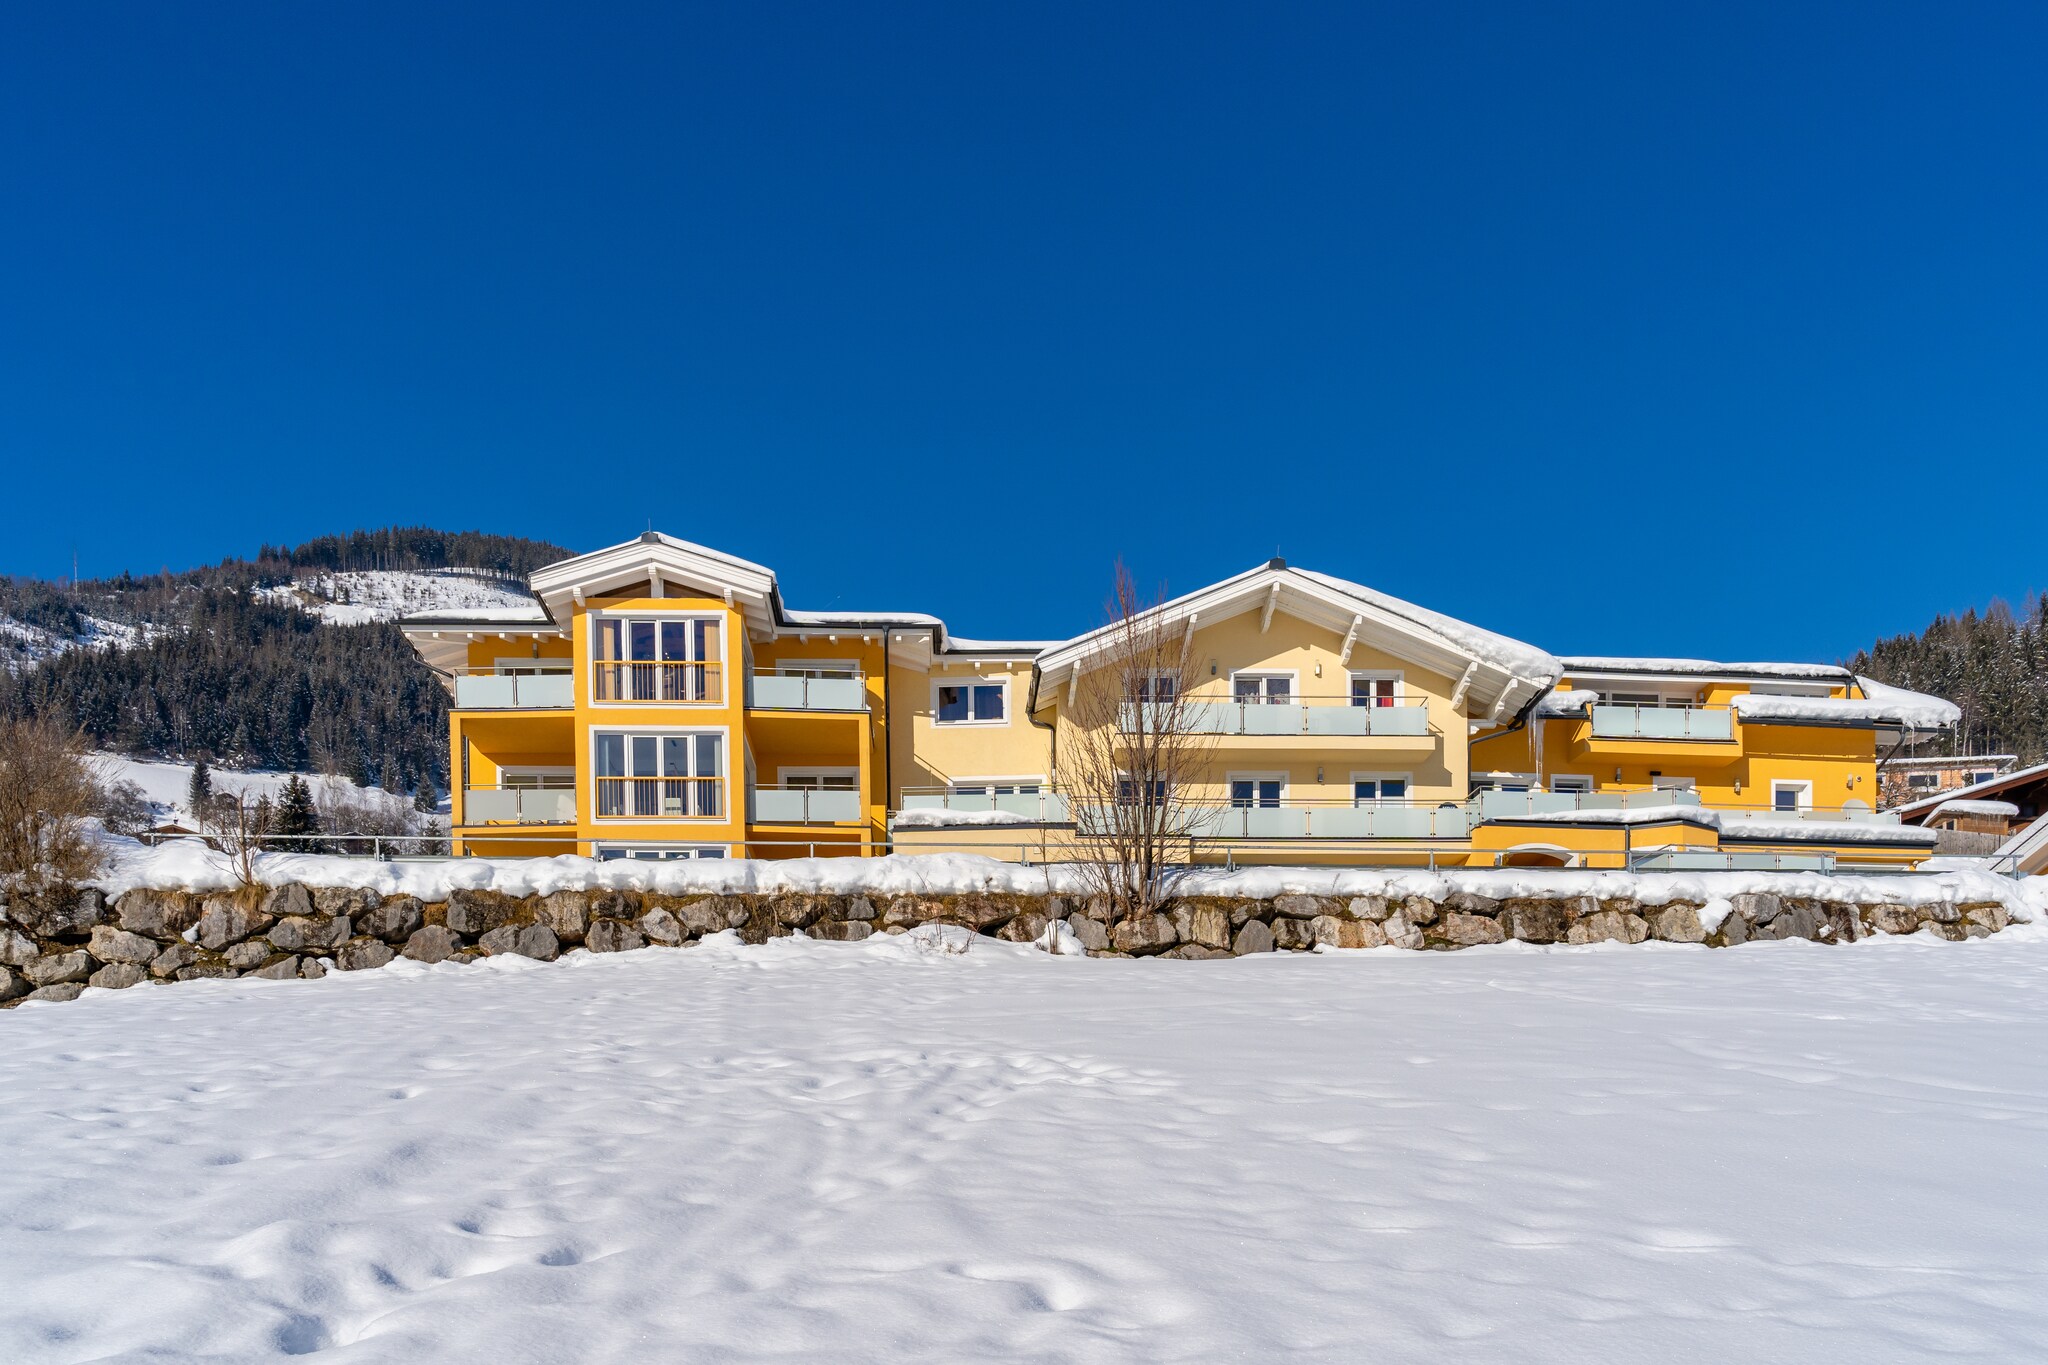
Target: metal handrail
660, 798
664, 680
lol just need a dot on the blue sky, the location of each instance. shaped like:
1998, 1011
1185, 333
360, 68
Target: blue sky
1714, 330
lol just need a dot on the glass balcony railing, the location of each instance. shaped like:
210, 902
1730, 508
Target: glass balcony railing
518, 806
793, 690
1301, 716
1029, 803
1615, 721
493, 691
805, 805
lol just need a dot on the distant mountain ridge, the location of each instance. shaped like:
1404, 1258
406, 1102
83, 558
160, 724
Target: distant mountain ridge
287, 661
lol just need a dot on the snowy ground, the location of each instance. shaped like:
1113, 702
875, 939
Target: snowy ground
879, 1151
357, 598
167, 785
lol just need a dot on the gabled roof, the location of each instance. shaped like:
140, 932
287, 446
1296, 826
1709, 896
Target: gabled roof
1575, 664
1505, 674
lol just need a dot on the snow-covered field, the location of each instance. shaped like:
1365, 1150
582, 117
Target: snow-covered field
357, 598
887, 1151
166, 784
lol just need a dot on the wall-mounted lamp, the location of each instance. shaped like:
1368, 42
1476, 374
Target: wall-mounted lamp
1319, 668
1212, 668
1738, 786
1319, 773
1617, 774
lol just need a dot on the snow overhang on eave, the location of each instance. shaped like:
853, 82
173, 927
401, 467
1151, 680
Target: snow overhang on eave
1486, 688
443, 642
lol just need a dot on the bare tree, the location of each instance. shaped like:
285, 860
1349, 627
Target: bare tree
1133, 760
49, 790
236, 825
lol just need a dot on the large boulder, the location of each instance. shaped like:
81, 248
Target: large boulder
109, 944
282, 969
843, 931
1471, 903
118, 976
1990, 914
17, 948
1794, 919
660, 926
344, 900
62, 915
1419, 909
1022, 928
63, 990
1253, 937
527, 940
288, 900
433, 943
1891, 919
1143, 934
794, 911
156, 914
310, 934
1676, 923
1400, 933
1369, 907
173, 959
1757, 907
1534, 921
1300, 907
610, 936
1335, 931
1088, 932
1205, 925
861, 908
479, 912
52, 969
363, 954
249, 954
395, 921
715, 913
1942, 912
1293, 935
226, 920
1609, 926
566, 913
1462, 930
13, 985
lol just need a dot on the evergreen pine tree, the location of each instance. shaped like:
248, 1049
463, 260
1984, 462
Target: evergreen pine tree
426, 800
199, 795
295, 813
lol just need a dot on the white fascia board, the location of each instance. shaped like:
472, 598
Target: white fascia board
678, 561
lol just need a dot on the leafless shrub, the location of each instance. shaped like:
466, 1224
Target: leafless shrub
236, 825
1133, 760
122, 807
48, 795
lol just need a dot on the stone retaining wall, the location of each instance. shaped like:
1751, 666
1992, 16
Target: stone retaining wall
55, 952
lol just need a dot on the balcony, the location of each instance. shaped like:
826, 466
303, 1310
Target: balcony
494, 691
1505, 805
774, 689
518, 806
661, 798
805, 806
1304, 717
1034, 804
1614, 721
657, 682
1360, 820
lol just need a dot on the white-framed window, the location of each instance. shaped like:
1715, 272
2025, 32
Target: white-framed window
1159, 687
1790, 795
1262, 790
1366, 787
530, 667
815, 668
971, 701
1375, 689
658, 853
996, 786
534, 779
1571, 782
658, 657
821, 779
1507, 782
1972, 779
662, 774
1252, 689
1132, 792
1917, 780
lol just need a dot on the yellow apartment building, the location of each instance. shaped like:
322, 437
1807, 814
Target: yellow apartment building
660, 700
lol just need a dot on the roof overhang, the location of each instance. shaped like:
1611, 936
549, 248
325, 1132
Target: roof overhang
668, 565
1489, 689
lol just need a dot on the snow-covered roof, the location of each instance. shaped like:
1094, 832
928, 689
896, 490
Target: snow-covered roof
1893, 706
1565, 701
481, 616
1947, 760
1506, 674
1575, 664
1990, 809
1921, 809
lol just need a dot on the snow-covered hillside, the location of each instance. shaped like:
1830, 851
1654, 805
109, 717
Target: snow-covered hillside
23, 645
353, 599
889, 1151
166, 784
